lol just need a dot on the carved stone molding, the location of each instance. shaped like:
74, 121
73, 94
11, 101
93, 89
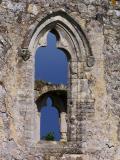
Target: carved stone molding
24, 54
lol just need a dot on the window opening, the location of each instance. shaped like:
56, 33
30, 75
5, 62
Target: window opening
51, 63
50, 127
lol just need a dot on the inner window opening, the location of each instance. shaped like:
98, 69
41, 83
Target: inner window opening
51, 66
50, 125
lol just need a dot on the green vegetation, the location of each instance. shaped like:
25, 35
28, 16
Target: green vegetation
50, 136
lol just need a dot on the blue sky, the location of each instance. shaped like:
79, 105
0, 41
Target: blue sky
51, 66
51, 63
50, 120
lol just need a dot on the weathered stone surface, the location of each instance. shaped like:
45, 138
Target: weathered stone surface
93, 92
75, 157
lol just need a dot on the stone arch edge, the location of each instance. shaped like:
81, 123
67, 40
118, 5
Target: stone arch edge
25, 51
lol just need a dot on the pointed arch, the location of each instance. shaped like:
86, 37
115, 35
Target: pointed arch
71, 38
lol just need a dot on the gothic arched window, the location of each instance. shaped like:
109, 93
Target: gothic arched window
73, 42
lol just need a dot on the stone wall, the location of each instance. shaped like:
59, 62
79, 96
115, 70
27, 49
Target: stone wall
99, 119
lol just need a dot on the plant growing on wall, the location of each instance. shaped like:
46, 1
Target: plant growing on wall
50, 136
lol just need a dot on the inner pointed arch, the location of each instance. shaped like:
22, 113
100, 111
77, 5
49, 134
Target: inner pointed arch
51, 63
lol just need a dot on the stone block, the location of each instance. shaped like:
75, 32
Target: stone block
75, 157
